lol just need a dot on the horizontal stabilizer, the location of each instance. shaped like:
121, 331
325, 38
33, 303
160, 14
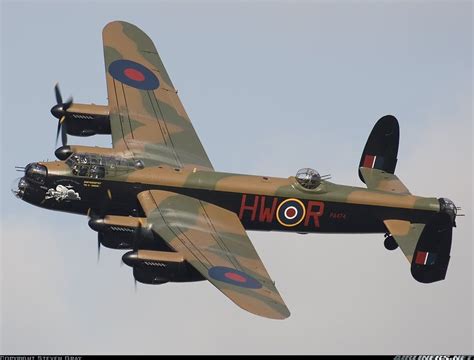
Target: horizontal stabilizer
380, 180
406, 235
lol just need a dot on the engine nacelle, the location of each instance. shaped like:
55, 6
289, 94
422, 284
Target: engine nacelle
84, 119
148, 276
121, 232
116, 241
158, 267
115, 232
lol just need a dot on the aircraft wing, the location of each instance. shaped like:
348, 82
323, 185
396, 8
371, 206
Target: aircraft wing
213, 241
376, 179
147, 119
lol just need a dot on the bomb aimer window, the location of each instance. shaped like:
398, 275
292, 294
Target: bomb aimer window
308, 178
97, 166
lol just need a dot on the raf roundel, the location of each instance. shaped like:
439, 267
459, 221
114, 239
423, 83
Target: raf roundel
133, 74
233, 277
291, 212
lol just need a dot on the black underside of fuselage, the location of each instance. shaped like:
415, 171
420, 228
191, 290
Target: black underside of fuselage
325, 217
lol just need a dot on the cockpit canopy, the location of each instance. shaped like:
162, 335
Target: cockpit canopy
308, 178
99, 166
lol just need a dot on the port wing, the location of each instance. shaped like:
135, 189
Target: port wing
215, 243
147, 120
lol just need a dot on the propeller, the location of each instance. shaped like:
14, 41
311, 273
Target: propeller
92, 215
59, 111
138, 236
99, 235
136, 247
101, 213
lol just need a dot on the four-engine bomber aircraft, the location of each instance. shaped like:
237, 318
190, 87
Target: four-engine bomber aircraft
156, 192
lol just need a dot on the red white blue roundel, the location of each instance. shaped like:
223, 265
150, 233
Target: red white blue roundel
291, 212
233, 277
133, 74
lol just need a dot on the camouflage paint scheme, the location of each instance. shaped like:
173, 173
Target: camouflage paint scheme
151, 124
159, 194
209, 236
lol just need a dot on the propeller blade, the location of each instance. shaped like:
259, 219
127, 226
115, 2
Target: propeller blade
137, 237
98, 251
67, 104
57, 93
60, 111
57, 133
63, 130
99, 238
136, 246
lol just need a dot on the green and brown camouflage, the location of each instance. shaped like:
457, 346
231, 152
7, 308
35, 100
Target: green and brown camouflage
151, 124
407, 235
166, 176
210, 237
156, 192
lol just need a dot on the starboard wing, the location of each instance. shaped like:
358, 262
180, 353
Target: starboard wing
215, 243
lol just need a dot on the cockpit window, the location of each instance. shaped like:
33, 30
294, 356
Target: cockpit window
98, 166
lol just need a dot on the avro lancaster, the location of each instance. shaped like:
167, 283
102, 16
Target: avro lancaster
156, 193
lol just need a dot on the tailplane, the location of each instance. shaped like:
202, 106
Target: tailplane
425, 243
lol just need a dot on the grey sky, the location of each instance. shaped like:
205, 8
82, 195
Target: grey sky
270, 87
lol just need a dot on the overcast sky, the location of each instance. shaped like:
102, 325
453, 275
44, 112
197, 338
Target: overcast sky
270, 87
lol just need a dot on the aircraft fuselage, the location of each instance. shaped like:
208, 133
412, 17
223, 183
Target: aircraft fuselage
261, 203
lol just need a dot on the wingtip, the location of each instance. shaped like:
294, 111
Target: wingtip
274, 315
112, 24
121, 23
277, 312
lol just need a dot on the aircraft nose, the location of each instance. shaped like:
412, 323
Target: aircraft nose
36, 173
19, 187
